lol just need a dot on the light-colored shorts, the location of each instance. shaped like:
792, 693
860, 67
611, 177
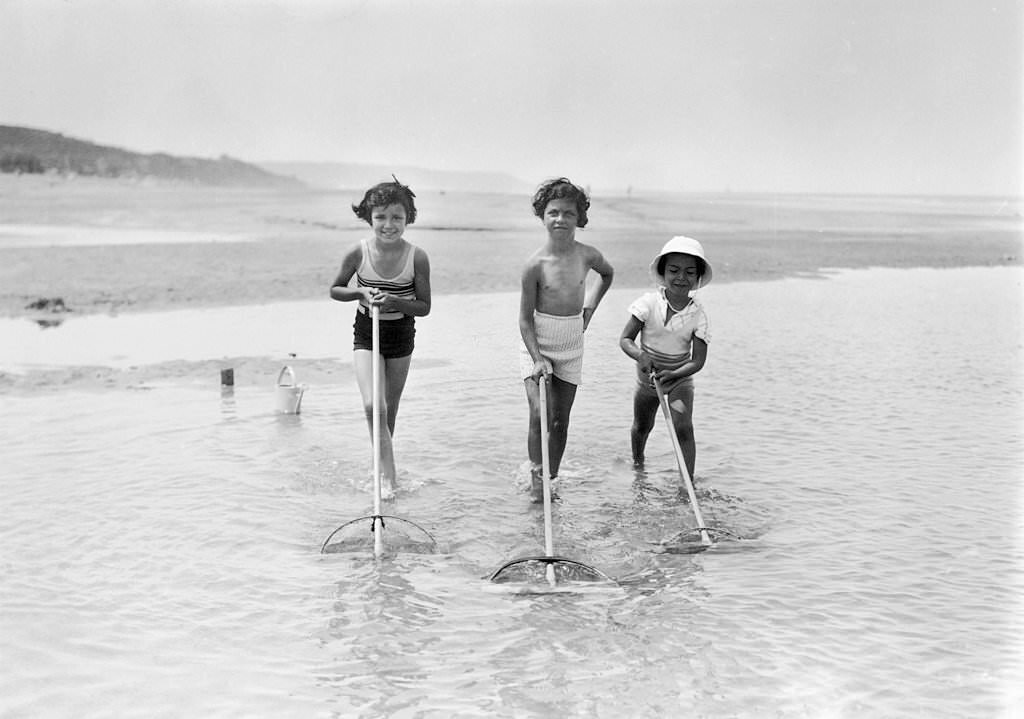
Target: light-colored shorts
561, 342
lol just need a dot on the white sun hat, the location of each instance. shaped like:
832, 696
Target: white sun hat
686, 246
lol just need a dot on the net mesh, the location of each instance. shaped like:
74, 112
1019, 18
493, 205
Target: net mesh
690, 541
399, 535
533, 570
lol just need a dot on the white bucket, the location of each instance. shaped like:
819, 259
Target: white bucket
289, 394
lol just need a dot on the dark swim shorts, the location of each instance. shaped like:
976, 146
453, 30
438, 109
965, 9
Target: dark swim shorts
396, 336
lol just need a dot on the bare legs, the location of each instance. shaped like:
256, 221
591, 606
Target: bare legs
646, 409
393, 374
561, 395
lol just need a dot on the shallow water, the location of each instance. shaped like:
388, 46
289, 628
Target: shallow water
160, 543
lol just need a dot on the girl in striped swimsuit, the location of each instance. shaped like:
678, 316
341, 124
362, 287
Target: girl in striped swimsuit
394, 275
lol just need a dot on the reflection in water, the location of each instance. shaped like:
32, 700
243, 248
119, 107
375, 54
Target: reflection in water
291, 422
228, 406
53, 305
49, 323
376, 635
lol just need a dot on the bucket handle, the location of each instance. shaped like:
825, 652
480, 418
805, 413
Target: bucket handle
291, 375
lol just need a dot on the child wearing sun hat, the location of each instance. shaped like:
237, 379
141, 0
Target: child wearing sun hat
674, 336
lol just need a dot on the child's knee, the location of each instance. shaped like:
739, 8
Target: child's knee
642, 425
560, 421
368, 410
683, 427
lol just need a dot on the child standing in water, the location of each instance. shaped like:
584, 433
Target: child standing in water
674, 338
554, 310
394, 275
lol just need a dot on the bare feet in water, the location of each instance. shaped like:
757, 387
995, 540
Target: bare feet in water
536, 485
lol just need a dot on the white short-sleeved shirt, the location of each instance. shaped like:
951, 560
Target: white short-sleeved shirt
669, 343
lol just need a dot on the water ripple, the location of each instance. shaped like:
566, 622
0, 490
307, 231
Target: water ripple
160, 550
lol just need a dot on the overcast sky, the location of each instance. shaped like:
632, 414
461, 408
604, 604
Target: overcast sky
867, 96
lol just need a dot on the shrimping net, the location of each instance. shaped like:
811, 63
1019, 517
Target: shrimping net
398, 535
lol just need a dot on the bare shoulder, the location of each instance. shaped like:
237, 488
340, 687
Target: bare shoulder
533, 262
354, 253
593, 257
349, 264
587, 251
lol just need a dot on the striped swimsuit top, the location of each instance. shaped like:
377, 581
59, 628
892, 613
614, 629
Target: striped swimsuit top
401, 285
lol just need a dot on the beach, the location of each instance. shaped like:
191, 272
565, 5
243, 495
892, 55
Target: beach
105, 246
109, 248
859, 439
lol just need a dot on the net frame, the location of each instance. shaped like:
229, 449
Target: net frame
373, 520
571, 569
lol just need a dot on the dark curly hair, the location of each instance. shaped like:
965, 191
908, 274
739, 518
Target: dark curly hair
384, 194
558, 189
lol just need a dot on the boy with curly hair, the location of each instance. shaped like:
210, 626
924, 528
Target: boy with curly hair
555, 308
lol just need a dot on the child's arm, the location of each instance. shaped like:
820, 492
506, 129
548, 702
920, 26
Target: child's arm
627, 341
339, 289
419, 307
698, 355
527, 304
597, 291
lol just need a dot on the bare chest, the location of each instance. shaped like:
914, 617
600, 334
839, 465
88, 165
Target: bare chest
562, 285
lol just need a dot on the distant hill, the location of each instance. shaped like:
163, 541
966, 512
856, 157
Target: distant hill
27, 150
347, 176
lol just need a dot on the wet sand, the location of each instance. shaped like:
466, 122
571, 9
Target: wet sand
105, 246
